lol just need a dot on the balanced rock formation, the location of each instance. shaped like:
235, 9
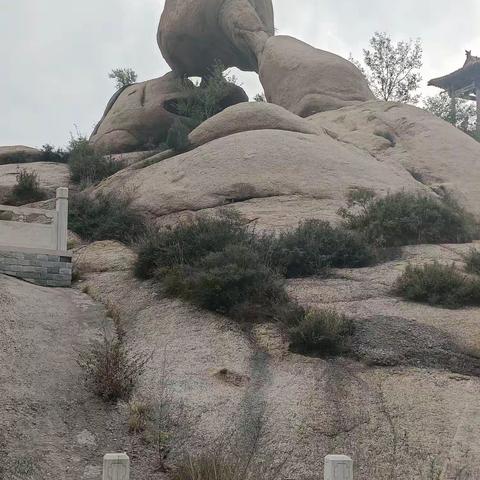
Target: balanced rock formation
193, 35
306, 80
18, 154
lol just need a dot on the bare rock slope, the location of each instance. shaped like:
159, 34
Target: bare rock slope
408, 405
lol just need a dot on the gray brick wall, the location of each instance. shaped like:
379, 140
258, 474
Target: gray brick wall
42, 269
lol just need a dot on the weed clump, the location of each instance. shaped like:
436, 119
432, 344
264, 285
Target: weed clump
407, 218
472, 261
108, 216
88, 167
111, 369
321, 332
438, 284
26, 190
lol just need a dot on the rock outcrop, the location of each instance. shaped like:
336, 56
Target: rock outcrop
250, 116
193, 35
136, 116
260, 165
18, 154
140, 115
434, 152
306, 80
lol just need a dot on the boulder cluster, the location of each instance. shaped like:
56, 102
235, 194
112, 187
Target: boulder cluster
193, 37
320, 134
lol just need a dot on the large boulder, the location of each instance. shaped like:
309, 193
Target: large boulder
195, 34
19, 154
436, 154
136, 116
306, 80
249, 116
141, 115
310, 173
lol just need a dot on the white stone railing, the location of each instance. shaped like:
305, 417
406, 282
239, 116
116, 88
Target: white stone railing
116, 466
45, 236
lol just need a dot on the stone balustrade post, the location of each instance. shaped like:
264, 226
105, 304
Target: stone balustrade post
62, 218
116, 466
338, 467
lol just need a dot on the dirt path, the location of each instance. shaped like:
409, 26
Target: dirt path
51, 427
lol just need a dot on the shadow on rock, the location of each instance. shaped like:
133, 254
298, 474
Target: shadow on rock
390, 341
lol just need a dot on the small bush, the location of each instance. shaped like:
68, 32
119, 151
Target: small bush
186, 244
111, 369
234, 282
406, 218
202, 101
88, 167
316, 246
472, 261
177, 137
26, 190
105, 217
50, 154
321, 332
438, 284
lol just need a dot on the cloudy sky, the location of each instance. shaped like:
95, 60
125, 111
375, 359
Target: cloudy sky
55, 54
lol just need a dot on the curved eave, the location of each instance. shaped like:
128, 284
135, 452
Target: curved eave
458, 79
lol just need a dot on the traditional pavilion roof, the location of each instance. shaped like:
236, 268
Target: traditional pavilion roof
461, 78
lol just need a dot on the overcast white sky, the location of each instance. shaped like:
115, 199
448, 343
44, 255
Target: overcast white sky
55, 54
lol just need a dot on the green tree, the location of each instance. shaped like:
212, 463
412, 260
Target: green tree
123, 77
440, 106
392, 69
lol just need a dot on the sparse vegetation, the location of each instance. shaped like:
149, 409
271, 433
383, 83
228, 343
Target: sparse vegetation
321, 332
472, 261
26, 190
88, 167
438, 284
177, 137
51, 154
315, 246
123, 77
111, 368
108, 216
406, 218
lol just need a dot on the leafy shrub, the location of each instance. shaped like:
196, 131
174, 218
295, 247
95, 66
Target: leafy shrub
50, 154
202, 101
234, 282
321, 332
406, 218
26, 190
123, 77
88, 167
186, 244
438, 284
472, 261
316, 246
105, 217
177, 138
111, 369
